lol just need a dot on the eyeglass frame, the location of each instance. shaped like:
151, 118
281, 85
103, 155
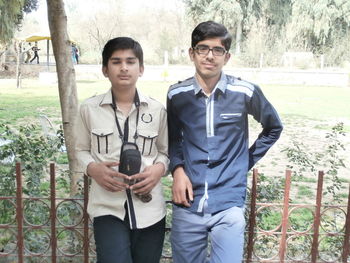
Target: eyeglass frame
196, 48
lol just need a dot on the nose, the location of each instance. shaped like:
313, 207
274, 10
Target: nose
124, 66
210, 54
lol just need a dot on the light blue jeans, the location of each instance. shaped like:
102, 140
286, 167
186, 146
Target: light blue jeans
190, 231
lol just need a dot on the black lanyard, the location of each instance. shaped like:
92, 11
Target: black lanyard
125, 136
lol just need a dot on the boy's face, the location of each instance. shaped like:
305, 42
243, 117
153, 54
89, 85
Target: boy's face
209, 65
123, 69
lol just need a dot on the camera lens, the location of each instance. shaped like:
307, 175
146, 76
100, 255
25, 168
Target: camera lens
145, 198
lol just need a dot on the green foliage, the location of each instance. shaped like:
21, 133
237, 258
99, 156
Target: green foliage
270, 189
322, 20
301, 219
329, 158
269, 218
30, 5
167, 182
322, 26
11, 15
33, 150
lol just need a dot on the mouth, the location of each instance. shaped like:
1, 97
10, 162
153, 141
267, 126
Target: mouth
124, 77
208, 65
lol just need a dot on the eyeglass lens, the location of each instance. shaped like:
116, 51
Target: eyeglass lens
204, 50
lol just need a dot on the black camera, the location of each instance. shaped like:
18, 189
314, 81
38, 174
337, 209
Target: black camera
130, 164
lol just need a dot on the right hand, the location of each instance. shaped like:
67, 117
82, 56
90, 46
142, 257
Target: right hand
182, 188
106, 176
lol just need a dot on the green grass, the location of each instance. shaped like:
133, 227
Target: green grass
304, 191
34, 98
313, 102
292, 102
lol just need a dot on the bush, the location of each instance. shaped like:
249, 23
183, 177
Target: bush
34, 151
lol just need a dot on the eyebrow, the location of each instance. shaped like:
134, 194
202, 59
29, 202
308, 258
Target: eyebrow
209, 47
118, 58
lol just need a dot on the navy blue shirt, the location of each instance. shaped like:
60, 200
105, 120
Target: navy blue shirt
208, 136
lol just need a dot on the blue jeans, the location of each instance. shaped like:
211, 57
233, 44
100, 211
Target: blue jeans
190, 231
116, 243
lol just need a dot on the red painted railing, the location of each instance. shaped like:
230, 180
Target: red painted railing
262, 245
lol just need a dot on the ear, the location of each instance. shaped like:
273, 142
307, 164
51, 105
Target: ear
227, 57
191, 53
142, 69
105, 71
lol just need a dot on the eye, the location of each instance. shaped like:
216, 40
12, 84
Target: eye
219, 50
202, 48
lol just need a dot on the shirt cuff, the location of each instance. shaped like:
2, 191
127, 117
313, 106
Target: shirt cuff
165, 161
85, 160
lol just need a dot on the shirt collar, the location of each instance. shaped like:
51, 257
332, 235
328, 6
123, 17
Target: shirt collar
220, 85
107, 98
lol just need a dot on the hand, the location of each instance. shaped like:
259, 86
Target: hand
106, 176
147, 179
182, 188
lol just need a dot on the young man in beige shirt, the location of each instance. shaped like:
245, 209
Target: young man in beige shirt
127, 226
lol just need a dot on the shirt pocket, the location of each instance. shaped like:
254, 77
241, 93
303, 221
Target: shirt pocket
146, 142
230, 117
102, 141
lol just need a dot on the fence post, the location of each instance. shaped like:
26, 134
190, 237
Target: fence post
347, 232
252, 216
53, 213
314, 250
19, 213
282, 250
86, 220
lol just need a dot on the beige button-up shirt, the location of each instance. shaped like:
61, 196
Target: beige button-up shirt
98, 140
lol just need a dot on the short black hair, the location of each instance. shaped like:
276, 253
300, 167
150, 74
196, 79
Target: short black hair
211, 29
121, 43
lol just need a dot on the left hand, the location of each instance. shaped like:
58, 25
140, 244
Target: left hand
148, 179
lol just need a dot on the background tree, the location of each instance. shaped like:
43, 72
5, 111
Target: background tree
66, 81
235, 15
319, 24
11, 16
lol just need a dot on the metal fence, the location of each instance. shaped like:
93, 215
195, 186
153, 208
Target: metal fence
51, 229
324, 236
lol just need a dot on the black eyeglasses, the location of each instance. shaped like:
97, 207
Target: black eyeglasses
204, 50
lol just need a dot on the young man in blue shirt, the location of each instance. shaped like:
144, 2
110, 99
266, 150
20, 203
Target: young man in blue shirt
209, 152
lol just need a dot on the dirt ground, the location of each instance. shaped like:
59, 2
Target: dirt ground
301, 131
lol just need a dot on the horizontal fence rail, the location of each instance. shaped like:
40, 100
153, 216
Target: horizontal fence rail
51, 229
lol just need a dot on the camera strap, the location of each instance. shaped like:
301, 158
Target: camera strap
125, 136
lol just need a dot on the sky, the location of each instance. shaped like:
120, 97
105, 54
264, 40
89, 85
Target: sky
89, 7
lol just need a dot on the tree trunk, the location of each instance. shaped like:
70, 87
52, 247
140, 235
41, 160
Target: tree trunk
66, 82
238, 38
18, 49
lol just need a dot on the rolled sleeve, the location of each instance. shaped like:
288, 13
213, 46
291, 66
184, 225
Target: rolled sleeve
162, 142
83, 153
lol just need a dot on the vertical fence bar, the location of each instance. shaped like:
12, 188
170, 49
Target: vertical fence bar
19, 214
252, 216
53, 213
282, 249
347, 233
86, 220
317, 219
